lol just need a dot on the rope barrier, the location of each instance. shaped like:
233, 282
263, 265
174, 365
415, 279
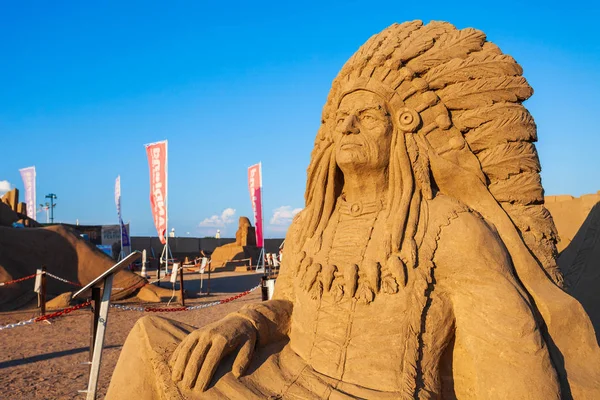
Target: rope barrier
51, 276
22, 323
63, 279
127, 308
17, 280
62, 312
188, 308
160, 279
46, 317
34, 275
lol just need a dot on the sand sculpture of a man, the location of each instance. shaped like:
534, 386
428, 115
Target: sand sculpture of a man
423, 264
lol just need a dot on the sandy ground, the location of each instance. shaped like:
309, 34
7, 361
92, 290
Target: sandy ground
44, 361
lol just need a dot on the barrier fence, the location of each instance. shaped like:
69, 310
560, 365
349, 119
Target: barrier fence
128, 308
17, 280
34, 275
58, 278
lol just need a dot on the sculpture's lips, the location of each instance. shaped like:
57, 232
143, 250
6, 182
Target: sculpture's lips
350, 145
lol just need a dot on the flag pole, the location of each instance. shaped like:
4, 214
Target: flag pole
34, 216
120, 223
262, 225
167, 206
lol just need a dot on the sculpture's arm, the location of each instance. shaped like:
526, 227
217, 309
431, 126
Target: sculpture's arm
499, 352
272, 318
197, 357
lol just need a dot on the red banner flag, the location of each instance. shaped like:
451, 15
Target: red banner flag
255, 187
157, 161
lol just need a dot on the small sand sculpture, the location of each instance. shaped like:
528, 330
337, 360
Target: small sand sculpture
424, 263
11, 210
243, 248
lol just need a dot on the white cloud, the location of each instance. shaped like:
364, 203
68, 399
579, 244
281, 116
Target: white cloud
219, 221
283, 215
227, 215
4, 187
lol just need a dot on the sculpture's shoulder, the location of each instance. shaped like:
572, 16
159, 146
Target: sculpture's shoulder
436, 214
448, 223
461, 238
292, 256
295, 230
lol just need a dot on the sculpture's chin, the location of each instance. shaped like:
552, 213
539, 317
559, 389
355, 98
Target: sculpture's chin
350, 159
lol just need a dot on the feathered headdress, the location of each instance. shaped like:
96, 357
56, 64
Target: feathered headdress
464, 96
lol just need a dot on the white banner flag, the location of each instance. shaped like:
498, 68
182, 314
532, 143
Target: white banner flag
28, 175
118, 196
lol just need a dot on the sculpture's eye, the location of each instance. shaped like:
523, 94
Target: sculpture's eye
369, 119
340, 120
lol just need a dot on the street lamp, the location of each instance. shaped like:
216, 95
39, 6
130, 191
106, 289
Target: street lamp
45, 207
52, 197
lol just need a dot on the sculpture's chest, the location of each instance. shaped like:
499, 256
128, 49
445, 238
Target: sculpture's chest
373, 340
348, 340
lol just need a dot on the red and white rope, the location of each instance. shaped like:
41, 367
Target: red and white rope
58, 278
17, 280
128, 308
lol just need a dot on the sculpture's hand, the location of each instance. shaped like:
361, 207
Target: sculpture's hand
197, 357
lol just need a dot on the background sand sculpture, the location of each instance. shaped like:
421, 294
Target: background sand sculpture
568, 213
11, 210
424, 262
577, 220
22, 251
65, 254
243, 248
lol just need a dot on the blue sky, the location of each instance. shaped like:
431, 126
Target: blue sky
84, 85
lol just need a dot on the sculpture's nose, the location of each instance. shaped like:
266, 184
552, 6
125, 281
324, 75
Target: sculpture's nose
349, 125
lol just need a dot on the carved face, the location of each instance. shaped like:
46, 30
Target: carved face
363, 132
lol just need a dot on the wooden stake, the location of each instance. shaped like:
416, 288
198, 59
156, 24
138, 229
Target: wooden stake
181, 285
158, 272
208, 283
43, 291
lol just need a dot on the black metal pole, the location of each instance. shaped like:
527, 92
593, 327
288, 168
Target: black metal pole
181, 285
264, 289
96, 298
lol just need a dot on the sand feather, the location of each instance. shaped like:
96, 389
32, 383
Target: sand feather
476, 66
517, 126
457, 44
525, 188
466, 119
481, 92
504, 160
421, 40
532, 218
420, 163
